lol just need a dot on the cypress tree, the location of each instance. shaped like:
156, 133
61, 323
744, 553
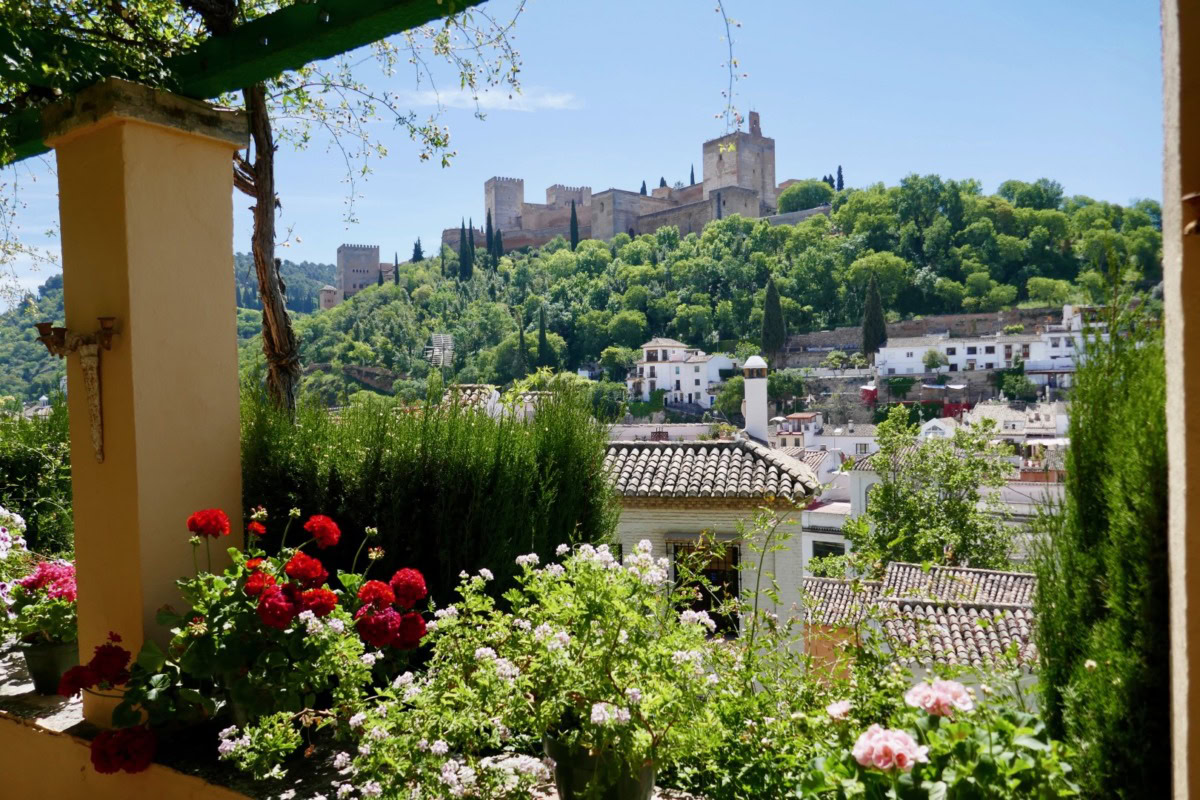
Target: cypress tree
874, 326
491, 239
643, 187
522, 366
499, 246
545, 358
774, 331
381, 276
574, 227
840, 185
464, 253
396, 263
693, 177
418, 253
471, 236
662, 183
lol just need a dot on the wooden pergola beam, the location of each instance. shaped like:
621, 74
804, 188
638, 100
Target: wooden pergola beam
259, 50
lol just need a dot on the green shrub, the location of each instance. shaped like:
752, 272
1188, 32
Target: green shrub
449, 489
35, 477
1102, 605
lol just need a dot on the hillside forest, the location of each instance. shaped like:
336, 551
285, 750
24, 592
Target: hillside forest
934, 246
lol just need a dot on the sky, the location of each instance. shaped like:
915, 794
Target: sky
622, 91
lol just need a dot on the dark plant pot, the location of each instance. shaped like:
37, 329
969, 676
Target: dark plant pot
578, 775
47, 663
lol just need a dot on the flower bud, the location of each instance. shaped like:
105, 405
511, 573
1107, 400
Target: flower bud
294, 513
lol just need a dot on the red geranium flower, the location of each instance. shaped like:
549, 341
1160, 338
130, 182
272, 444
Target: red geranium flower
109, 663
377, 627
129, 749
47, 573
257, 582
410, 632
253, 564
209, 522
257, 528
276, 609
77, 679
377, 594
409, 586
306, 569
324, 530
321, 602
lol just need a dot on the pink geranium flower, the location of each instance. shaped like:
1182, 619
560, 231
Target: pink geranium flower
887, 750
838, 710
940, 698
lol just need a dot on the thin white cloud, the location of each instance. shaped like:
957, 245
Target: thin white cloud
532, 98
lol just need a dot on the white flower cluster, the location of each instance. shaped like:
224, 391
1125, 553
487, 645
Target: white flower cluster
522, 624
439, 748
642, 564
513, 768
448, 611
562, 550
530, 559
404, 679
553, 640
506, 669
230, 743
633, 695
314, 625
12, 532
485, 654
600, 556
369, 658
371, 789
341, 761
358, 719
693, 657
6, 599
458, 777
486, 574
606, 714
690, 617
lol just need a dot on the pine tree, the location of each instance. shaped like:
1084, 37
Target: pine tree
464, 253
662, 183
545, 357
774, 331
491, 238
418, 253
693, 177
643, 187
574, 227
840, 185
874, 326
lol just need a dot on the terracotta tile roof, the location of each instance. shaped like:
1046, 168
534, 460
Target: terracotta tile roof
469, 395
706, 469
815, 459
662, 341
949, 615
960, 634
958, 584
833, 601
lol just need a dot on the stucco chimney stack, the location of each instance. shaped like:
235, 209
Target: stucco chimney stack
755, 405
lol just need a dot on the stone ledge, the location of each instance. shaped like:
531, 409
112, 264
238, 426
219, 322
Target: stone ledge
113, 99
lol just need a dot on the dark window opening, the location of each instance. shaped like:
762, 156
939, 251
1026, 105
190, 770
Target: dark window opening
722, 574
825, 549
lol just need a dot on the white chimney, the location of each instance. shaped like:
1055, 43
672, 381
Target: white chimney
755, 406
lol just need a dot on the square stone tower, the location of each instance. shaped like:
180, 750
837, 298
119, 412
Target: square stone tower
357, 268
504, 197
745, 160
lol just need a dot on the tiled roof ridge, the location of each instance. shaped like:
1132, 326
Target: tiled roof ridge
979, 605
944, 567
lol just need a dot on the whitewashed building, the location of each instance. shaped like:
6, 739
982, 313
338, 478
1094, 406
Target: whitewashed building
686, 374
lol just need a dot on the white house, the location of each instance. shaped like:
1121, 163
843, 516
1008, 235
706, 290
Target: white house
687, 374
676, 493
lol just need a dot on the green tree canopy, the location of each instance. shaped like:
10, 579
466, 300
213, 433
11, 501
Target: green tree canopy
804, 195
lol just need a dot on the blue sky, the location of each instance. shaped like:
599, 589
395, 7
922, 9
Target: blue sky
626, 90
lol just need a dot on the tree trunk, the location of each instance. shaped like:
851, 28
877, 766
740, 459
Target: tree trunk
278, 340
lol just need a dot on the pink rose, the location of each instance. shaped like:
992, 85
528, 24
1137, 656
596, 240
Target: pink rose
838, 710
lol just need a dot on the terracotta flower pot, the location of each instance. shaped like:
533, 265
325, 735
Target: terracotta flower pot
578, 775
47, 663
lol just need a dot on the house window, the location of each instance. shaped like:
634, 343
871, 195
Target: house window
721, 572
908, 354
991, 364
862, 448
891, 370
1069, 343
990, 349
697, 381
695, 369
1054, 342
950, 351
677, 370
677, 386
970, 364
954, 367
971, 350
826, 549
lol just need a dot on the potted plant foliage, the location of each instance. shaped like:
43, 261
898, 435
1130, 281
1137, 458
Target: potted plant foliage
599, 662
41, 613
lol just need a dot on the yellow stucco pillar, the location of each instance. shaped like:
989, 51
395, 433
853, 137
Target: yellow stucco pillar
145, 204
1181, 295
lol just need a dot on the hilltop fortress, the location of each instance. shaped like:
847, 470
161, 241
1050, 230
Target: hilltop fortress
739, 178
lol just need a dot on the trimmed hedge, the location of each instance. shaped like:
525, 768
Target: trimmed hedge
449, 489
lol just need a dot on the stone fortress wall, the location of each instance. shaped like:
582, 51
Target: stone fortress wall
738, 178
